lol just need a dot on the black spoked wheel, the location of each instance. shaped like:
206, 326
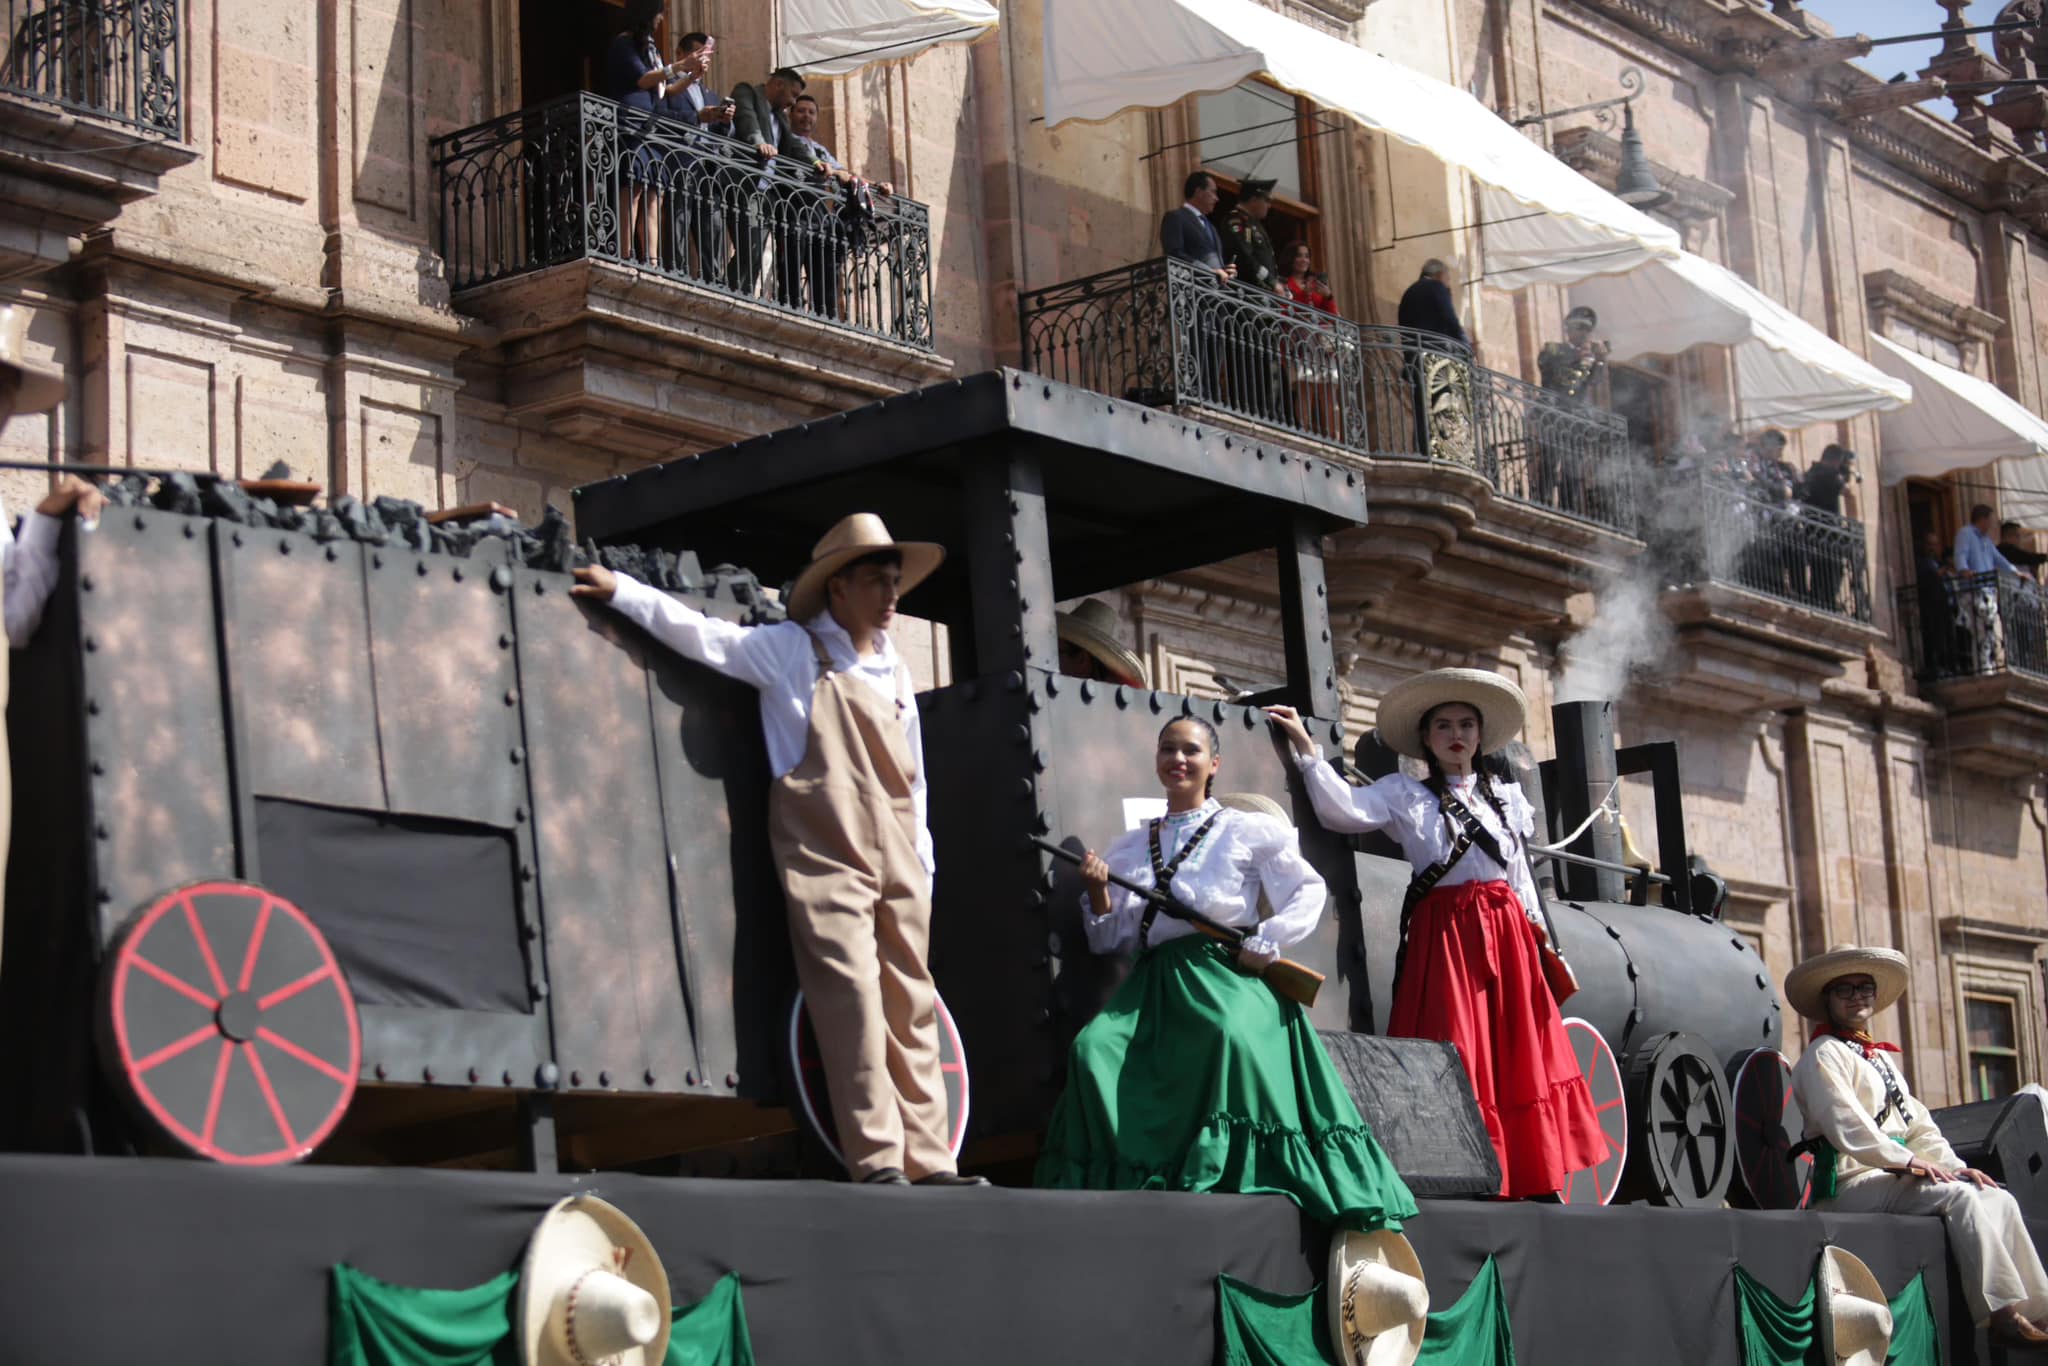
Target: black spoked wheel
1682, 1151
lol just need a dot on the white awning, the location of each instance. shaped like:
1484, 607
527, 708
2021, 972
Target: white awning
1957, 421
833, 37
1105, 56
1788, 373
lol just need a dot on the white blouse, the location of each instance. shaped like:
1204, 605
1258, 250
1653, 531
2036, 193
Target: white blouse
1840, 1093
1408, 811
1243, 854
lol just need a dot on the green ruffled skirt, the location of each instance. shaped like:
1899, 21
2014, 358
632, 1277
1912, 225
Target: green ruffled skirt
1196, 1077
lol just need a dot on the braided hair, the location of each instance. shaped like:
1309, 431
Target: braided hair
1215, 744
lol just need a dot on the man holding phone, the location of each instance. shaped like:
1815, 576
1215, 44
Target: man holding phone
693, 101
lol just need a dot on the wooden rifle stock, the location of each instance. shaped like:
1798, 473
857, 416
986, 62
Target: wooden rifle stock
1287, 978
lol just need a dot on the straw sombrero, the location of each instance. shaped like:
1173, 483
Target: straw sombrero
1853, 1316
1806, 986
855, 536
1092, 627
1258, 804
1379, 1302
1500, 704
592, 1291
41, 386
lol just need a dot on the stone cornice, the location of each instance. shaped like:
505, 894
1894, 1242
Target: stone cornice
1891, 294
1597, 156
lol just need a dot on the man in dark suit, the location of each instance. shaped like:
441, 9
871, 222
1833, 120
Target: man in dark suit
692, 102
1186, 234
1427, 308
759, 123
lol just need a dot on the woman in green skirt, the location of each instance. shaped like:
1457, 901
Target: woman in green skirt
1196, 1076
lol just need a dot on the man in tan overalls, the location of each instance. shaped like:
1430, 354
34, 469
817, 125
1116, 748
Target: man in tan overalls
847, 821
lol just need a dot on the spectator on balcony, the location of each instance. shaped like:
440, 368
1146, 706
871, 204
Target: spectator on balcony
1570, 368
1979, 562
2023, 559
637, 77
760, 122
1259, 339
1187, 234
817, 242
1246, 245
695, 198
1315, 365
1932, 595
1826, 551
1428, 310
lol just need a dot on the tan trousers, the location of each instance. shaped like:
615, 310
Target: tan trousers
845, 834
1996, 1256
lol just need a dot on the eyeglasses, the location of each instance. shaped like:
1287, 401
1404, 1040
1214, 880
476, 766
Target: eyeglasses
1849, 991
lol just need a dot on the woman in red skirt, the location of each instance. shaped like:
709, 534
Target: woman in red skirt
1471, 964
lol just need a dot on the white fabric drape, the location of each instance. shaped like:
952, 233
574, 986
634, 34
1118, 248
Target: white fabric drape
1960, 422
833, 37
1788, 372
1105, 56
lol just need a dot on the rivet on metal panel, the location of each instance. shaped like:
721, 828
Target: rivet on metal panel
647, 1077
1026, 788
526, 872
284, 545
1016, 630
1259, 454
92, 706
142, 524
1041, 823
518, 755
1144, 418
519, 814
1048, 391
1329, 680
1021, 734
1157, 705
1049, 879
532, 928
689, 1078
732, 1081
1020, 554
1218, 712
1322, 591
547, 1074
1052, 685
1014, 681
426, 1074
539, 991
1187, 706
234, 539
92, 643
1087, 690
1761, 983
1023, 604
1326, 637
1015, 507
1283, 457
1251, 718
1031, 702
1226, 444
333, 554
456, 573
376, 561
100, 831
1034, 900
576, 1078
539, 588
1336, 732
511, 697
501, 578
99, 768
1052, 943
604, 1079
505, 1077
191, 531
106, 894
475, 1076
85, 582
421, 567
504, 640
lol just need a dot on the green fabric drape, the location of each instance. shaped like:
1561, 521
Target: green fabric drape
375, 1323
1256, 1327
1775, 1333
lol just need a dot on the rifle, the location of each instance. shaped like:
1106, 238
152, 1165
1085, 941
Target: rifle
1289, 979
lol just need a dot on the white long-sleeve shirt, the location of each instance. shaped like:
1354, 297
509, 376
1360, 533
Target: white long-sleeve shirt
1840, 1094
29, 563
1408, 811
1244, 853
778, 661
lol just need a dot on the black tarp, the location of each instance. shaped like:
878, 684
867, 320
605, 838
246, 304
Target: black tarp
162, 1261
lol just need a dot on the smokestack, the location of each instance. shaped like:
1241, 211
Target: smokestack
1585, 774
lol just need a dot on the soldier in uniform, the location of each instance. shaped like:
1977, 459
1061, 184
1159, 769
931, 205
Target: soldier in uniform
1571, 367
1257, 346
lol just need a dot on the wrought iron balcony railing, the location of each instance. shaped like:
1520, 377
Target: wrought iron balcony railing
1167, 332
582, 177
1973, 626
1705, 530
111, 59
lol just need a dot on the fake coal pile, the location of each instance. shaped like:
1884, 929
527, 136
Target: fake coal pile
383, 521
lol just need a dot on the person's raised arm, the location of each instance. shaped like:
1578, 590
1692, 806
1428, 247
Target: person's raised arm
1339, 806
31, 561
750, 654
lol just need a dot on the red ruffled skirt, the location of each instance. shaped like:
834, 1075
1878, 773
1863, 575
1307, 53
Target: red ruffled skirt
1474, 976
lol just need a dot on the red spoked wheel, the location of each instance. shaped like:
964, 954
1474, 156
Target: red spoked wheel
810, 1078
1595, 1185
1768, 1124
226, 1021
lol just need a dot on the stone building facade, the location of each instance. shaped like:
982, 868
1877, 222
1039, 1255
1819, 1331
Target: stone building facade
266, 277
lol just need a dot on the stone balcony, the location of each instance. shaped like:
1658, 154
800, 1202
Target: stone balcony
1512, 499
1976, 644
758, 297
89, 119
1767, 601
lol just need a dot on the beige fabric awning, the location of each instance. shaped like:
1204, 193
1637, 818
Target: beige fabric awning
834, 37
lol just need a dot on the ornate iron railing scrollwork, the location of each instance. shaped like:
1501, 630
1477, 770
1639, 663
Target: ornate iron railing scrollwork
1705, 529
1973, 626
570, 179
111, 59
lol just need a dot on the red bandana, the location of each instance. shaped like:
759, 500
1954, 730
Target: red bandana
1859, 1039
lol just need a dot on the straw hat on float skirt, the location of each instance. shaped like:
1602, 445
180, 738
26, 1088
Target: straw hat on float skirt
1501, 705
41, 386
1258, 804
854, 537
1806, 986
592, 1291
1091, 627
1850, 1310
1379, 1302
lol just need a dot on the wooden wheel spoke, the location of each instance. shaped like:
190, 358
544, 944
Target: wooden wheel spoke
291, 989
255, 946
220, 1086
270, 1095
292, 1050
176, 983
177, 1047
220, 983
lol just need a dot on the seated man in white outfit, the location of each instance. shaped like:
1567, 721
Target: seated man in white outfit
1877, 1150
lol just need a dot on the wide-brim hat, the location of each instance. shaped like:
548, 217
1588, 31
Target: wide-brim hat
1258, 803
855, 536
1091, 626
1853, 1315
41, 385
1500, 704
1379, 1301
1806, 986
592, 1290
